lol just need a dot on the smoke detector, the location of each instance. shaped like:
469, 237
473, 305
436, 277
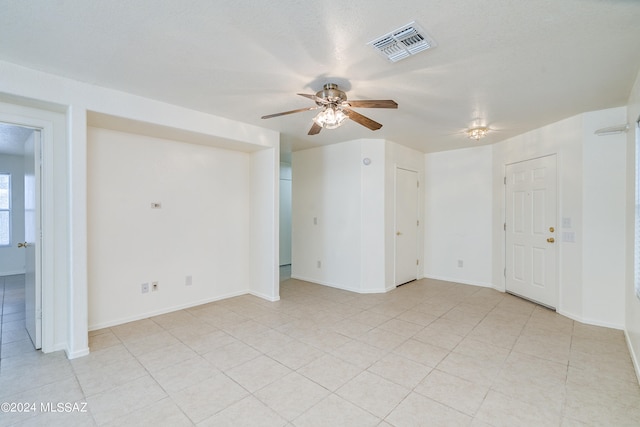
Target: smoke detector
403, 42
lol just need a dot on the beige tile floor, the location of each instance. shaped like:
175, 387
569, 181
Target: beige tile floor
429, 353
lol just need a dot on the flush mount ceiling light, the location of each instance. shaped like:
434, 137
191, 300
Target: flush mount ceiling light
477, 132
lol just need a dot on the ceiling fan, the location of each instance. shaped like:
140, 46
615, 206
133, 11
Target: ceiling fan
336, 109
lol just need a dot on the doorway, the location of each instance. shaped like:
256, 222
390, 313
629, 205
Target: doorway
20, 148
285, 220
530, 230
406, 227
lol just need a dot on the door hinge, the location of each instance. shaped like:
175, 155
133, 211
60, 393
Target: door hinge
417, 262
505, 226
418, 184
418, 223
505, 180
505, 272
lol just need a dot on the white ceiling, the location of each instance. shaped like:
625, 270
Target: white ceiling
510, 65
12, 139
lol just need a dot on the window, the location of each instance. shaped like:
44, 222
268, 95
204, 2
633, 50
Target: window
5, 209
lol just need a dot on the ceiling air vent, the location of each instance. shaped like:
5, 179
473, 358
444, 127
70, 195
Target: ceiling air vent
403, 42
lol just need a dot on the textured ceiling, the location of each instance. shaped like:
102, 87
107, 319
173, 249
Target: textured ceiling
510, 65
12, 139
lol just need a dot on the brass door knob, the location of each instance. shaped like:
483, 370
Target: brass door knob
551, 240
398, 233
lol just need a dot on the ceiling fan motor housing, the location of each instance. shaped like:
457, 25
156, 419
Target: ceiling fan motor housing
331, 94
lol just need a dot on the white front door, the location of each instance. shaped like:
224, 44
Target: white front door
531, 224
406, 237
32, 286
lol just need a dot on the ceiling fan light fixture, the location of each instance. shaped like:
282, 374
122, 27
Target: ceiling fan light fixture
330, 118
477, 133
335, 109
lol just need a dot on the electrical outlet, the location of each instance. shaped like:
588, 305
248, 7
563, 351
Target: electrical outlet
460, 263
144, 288
188, 281
154, 286
319, 264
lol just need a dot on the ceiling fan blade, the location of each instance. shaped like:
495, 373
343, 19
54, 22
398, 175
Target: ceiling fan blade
315, 129
314, 98
299, 110
364, 121
380, 103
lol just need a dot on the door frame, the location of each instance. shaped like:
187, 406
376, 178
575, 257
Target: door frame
45, 271
395, 222
34, 324
558, 228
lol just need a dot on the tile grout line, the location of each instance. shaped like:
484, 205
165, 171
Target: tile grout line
249, 313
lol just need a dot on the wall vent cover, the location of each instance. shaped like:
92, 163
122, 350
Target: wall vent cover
403, 42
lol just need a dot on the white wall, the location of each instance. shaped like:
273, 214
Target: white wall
354, 204
399, 156
464, 213
591, 196
603, 197
458, 215
50, 93
374, 199
565, 139
326, 191
264, 224
201, 230
11, 257
632, 306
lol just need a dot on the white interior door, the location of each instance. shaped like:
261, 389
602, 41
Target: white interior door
33, 294
406, 237
531, 217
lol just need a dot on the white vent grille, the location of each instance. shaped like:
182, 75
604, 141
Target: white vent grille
403, 42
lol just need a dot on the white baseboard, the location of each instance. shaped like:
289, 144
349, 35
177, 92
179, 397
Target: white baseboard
265, 297
166, 310
344, 288
387, 288
590, 321
76, 354
321, 282
634, 356
11, 273
463, 282
55, 347
375, 291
